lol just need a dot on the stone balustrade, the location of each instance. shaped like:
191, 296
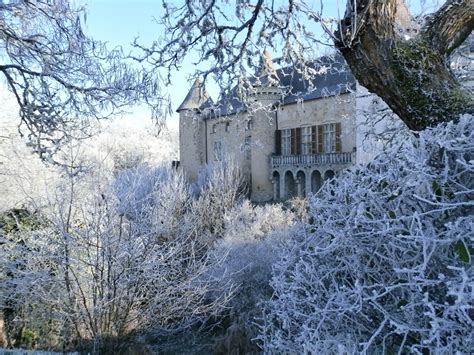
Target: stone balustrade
312, 159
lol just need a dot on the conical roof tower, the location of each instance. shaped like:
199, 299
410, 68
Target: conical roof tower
268, 75
197, 98
266, 88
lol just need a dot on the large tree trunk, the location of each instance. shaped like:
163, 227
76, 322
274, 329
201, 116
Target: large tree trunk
406, 66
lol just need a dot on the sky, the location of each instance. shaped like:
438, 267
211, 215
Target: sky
119, 22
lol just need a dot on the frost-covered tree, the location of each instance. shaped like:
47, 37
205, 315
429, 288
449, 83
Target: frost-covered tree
403, 62
109, 261
117, 145
385, 265
60, 77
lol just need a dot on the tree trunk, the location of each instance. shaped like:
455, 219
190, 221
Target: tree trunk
406, 66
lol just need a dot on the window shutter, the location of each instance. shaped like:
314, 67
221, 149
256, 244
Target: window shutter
314, 140
298, 141
293, 141
278, 142
338, 137
320, 139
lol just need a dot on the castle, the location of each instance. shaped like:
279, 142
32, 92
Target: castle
289, 137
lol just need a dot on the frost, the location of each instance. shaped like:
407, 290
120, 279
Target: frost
379, 267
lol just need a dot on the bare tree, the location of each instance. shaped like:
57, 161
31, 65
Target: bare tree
61, 78
97, 272
405, 64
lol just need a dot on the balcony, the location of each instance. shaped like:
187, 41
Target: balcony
313, 159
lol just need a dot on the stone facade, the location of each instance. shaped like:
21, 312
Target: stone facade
287, 147
299, 174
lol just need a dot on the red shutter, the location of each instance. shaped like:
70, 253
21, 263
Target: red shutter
278, 142
293, 141
320, 139
298, 141
338, 138
314, 140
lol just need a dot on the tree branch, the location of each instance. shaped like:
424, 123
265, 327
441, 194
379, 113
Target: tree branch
449, 27
408, 71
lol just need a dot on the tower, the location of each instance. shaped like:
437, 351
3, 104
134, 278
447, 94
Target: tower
192, 135
266, 93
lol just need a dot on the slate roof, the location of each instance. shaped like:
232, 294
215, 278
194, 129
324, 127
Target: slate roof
333, 77
197, 98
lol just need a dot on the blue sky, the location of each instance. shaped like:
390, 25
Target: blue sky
118, 22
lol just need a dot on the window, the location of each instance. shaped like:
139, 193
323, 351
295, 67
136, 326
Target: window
331, 138
309, 140
214, 128
306, 141
217, 150
286, 142
249, 125
227, 126
329, 131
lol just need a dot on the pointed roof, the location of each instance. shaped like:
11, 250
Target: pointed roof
197, 97
268, 74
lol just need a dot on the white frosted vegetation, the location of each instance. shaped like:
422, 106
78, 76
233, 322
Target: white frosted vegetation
250, 243
107, 262
219, 188
62, 80
248, 248
116, 254
117, 145
385, 263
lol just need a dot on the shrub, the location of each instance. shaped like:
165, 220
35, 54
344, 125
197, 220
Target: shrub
385, 264
220, 187
114, 260
248, 249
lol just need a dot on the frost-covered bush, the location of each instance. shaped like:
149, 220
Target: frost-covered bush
248, 249
219, 188
386, 263
115, 265
142, 189
249, 245
22, 234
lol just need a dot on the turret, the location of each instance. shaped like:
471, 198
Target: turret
266, 89
192, 135
267, 92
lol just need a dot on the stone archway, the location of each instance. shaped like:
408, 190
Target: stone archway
328, 175
301, 183
290, 185
316, 181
